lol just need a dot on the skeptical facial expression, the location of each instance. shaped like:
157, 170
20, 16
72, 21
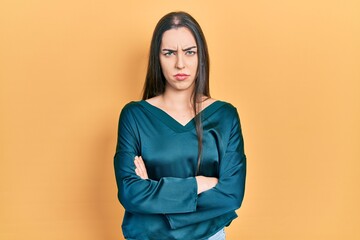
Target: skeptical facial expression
179, 59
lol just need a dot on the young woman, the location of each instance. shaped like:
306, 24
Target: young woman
180, 164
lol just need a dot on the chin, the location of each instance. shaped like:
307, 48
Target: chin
184, 87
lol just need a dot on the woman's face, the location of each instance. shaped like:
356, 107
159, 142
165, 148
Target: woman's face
179, 59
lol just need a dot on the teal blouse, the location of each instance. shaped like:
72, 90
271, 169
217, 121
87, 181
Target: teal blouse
166, 206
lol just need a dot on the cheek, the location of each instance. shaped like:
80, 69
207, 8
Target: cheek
163, 67
194, 64
166, 66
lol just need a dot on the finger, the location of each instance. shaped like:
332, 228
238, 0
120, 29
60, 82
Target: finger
139, 163
143, 167
138, 173
140, 169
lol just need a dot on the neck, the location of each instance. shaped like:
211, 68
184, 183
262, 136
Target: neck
178, 99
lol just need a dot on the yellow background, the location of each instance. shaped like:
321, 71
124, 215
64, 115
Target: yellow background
292, 68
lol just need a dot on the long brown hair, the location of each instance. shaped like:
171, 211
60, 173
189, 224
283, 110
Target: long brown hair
155, 80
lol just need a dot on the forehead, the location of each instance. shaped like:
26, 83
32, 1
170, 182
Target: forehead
178, 37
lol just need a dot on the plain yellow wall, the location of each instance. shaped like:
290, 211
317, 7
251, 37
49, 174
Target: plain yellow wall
292, 68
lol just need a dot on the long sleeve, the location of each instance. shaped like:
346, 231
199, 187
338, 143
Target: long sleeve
228, 194
165, 196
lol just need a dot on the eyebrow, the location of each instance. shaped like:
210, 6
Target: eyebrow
172, 50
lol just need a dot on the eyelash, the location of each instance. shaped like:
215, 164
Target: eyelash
190, 52
186, 53
167, 54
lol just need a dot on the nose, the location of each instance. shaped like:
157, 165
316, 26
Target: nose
180, 62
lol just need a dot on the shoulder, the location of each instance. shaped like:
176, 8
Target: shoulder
228, 113
207, 101
132, 106
130, 109
227, 107
230, 118
221, 112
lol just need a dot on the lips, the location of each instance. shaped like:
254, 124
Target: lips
181, 76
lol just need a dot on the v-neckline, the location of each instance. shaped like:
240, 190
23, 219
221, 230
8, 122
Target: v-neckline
175, 124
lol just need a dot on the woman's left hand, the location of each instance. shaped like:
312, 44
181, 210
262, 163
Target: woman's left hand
140, 169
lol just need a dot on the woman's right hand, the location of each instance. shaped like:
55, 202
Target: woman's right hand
205, 183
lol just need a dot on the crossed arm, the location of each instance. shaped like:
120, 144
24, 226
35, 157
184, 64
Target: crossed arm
139, 194
203, 183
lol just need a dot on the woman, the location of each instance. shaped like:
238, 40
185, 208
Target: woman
180, 164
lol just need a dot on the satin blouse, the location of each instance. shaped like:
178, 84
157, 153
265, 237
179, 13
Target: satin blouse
166, 206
